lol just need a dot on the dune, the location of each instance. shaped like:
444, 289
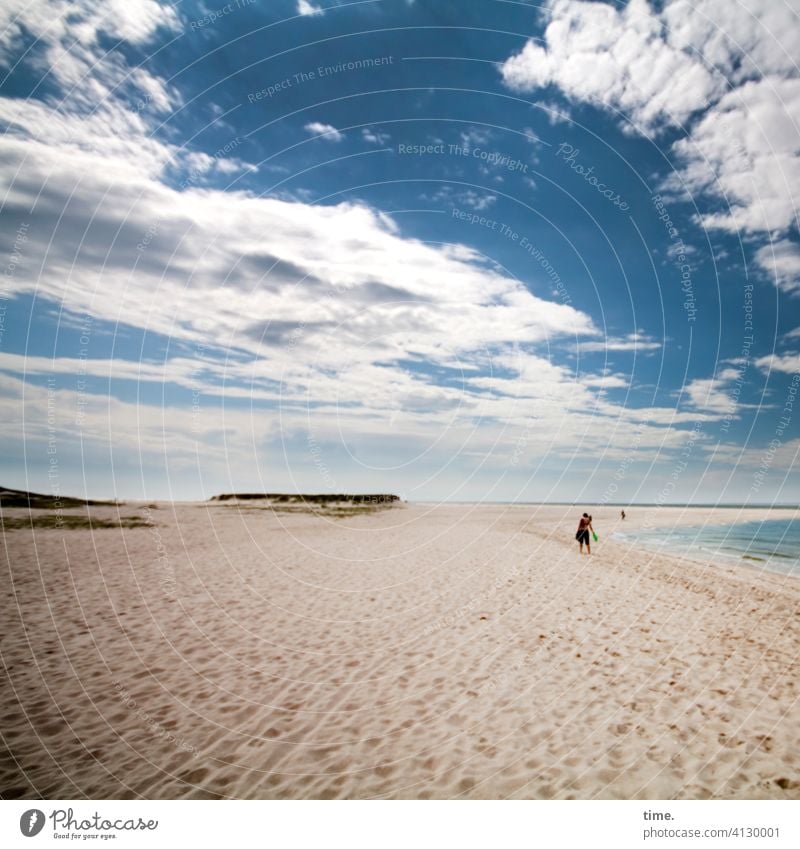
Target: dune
232, 650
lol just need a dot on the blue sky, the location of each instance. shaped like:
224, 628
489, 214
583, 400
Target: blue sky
494, 250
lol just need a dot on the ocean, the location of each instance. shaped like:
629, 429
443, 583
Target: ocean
773, 545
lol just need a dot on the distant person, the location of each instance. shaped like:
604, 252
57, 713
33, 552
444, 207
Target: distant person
582, 534
623, 515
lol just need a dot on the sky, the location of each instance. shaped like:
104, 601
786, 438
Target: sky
495, 250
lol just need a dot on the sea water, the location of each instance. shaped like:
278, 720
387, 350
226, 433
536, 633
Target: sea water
772, 544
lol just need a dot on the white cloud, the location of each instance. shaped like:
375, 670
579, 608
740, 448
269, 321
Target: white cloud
306, 8
746, 149
680, 248
781, 261
607, 381
80, 423
107, 108
67, 46
475, 137
556, 114
710, 395
531, 137
478, 201
727, 70
299, 304
309, 303
786, 363
720, 395
373, 136
619, 59
631, 342
238, 263
327, 131
59, 21
746, 39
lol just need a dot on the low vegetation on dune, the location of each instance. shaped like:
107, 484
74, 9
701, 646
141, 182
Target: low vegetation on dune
317, 498
334, 505
46, 512
59, 522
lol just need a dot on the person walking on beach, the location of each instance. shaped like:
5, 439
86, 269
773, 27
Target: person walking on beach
623, 515
582, 534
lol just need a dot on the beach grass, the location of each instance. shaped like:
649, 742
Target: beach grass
55, 521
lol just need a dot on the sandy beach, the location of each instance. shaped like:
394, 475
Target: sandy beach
223, 650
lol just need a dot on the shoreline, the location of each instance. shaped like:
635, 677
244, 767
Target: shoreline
730, 560
621, 504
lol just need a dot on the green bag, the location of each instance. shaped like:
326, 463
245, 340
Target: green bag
594, 536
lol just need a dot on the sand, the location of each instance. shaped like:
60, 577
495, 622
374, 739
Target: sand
417, 652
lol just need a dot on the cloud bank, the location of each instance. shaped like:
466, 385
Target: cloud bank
725, 73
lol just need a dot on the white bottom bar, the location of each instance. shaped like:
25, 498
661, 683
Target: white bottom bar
404, 825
